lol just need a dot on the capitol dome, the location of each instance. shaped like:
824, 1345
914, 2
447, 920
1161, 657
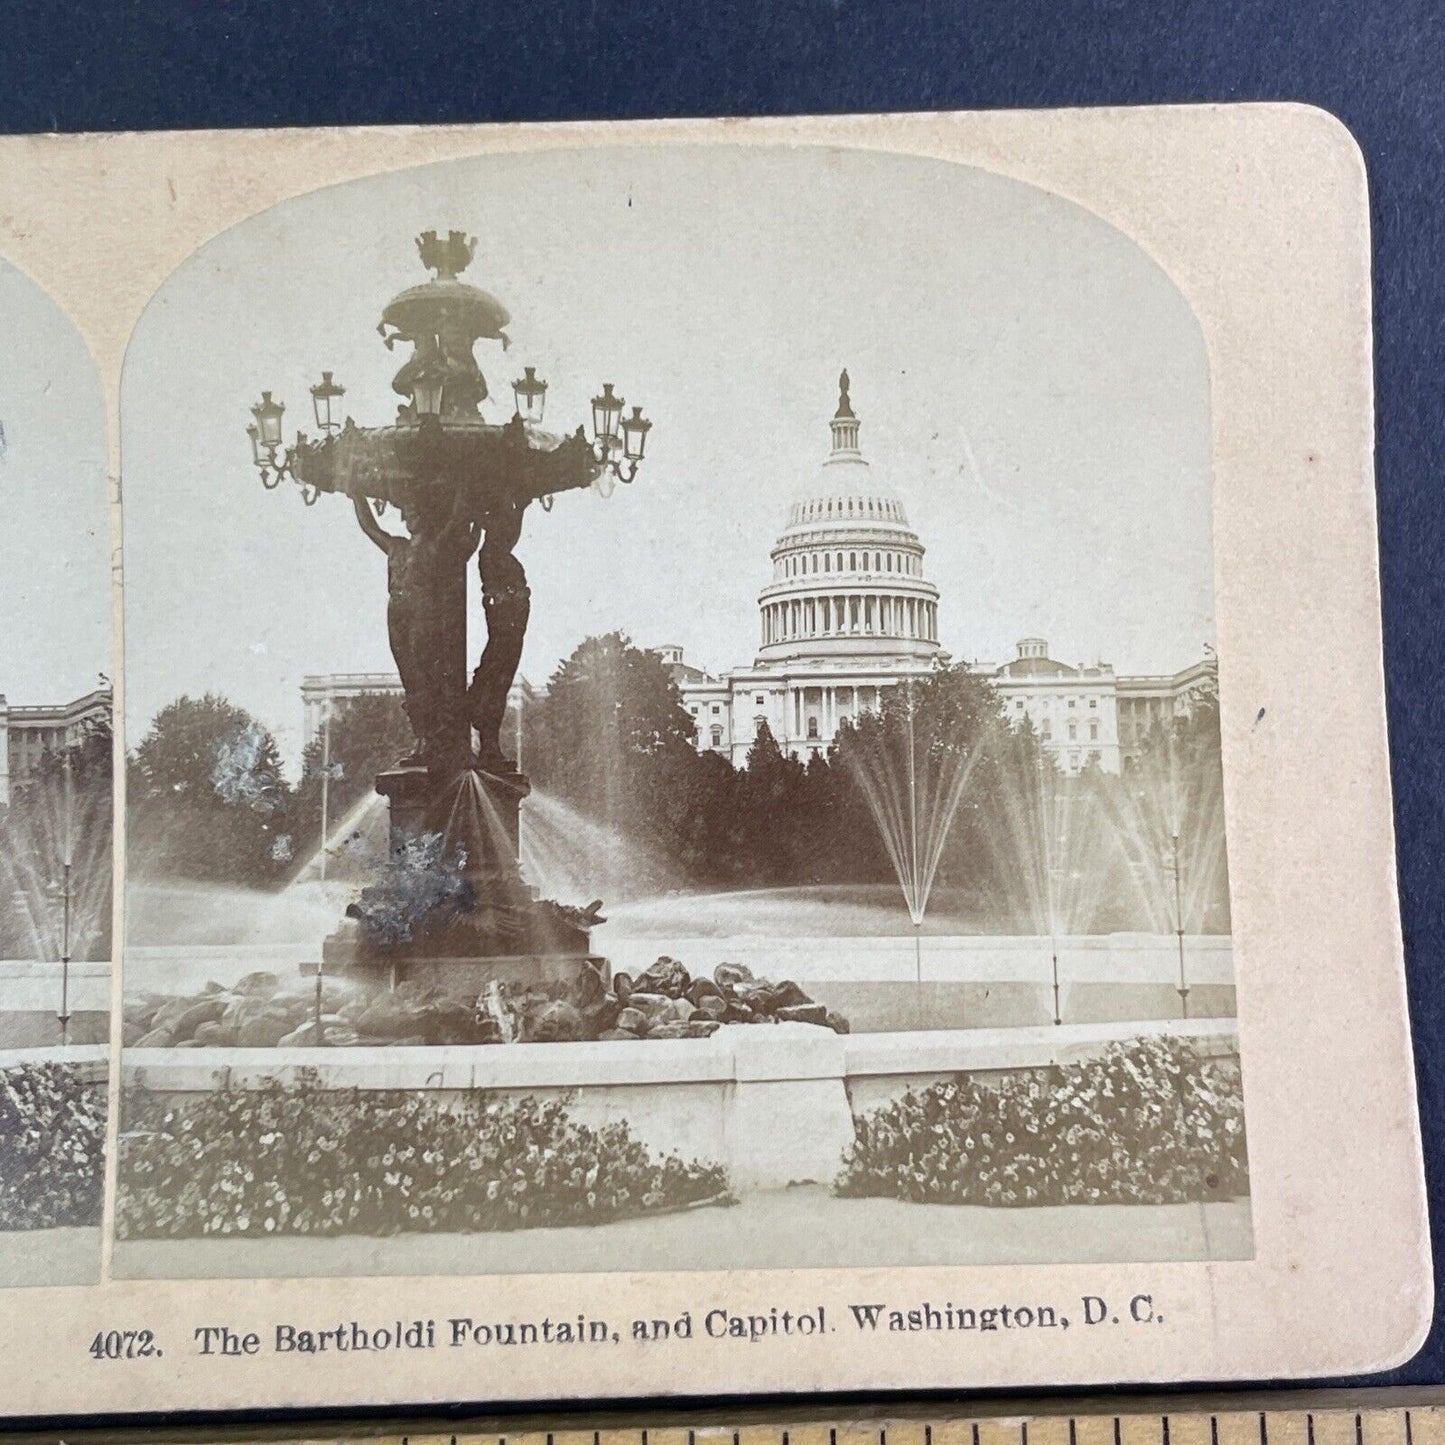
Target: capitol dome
847, 567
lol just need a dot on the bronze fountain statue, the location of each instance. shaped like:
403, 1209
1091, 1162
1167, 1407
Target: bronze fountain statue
456, 898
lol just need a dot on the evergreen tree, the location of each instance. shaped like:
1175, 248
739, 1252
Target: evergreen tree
939, 761
771, 799
603, 736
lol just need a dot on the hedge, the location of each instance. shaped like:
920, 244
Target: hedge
299, 1159
52, 1147
1150, 1121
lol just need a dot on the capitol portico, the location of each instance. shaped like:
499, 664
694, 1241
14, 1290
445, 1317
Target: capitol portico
849, 612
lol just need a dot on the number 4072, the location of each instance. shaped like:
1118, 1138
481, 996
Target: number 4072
123, 1345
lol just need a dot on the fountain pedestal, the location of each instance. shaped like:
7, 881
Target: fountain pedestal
479, 813
456, 911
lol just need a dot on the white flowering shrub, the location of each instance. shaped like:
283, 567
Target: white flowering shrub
298, 1159
52, 1147
1148, 1122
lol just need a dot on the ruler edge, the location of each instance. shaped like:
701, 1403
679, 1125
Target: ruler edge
704, 1418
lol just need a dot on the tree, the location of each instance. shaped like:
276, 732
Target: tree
937, 763
206, 799
770, 797
610, 711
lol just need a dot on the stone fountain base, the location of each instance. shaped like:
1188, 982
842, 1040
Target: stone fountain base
347, 954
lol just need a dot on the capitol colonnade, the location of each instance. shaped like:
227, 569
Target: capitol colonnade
849, 615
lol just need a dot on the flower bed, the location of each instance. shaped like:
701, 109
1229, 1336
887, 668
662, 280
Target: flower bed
1148, 1122
664, 1001
52, 1147
301, 1160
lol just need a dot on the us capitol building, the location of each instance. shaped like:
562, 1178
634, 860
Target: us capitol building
849, 613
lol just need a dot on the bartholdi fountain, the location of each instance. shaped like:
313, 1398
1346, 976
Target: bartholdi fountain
454, 907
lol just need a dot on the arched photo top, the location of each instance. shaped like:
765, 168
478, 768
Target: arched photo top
53, 480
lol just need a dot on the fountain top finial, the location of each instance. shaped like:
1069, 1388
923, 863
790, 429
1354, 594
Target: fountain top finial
449, 257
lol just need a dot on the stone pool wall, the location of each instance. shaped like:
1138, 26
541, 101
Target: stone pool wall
775, 1105
961, 981
967, 982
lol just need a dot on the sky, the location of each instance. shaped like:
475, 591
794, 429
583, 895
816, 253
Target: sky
55, 576
1030, 383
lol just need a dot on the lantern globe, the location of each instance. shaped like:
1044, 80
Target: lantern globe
427, 391
268, 414
606, 411
325, 396
258, 453
634, 435
531, 394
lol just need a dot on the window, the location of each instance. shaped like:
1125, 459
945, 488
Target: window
1073, 731
1047, 730
1071, 702
812, 727
717, 737
759, 700
693, 709
1094, 758
1093, 732
1018, 705
1073, 760
716, 709
1093, 702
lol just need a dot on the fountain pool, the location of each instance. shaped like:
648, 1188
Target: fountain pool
854, 949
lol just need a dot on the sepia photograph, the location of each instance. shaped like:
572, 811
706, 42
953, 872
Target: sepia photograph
672, 723
55, 795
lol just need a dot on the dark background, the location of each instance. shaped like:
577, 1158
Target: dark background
1379, 66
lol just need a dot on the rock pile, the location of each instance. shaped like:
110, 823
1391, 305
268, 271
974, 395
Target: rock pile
260, 1012
664, 1001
